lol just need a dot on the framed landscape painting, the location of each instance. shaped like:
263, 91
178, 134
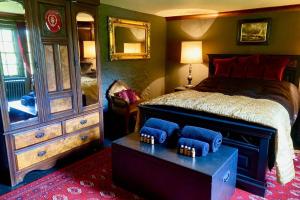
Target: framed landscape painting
254, 31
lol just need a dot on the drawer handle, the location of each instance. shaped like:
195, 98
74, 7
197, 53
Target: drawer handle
40, 135
83, 121
41, 153
226, 176
84, 137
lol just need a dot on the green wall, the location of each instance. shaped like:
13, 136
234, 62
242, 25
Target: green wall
145, 76
219, 36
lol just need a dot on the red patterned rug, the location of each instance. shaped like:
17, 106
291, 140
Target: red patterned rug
90, 179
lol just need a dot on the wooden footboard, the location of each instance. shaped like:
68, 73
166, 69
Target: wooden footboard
255, 143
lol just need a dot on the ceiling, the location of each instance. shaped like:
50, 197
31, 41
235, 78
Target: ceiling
168, 8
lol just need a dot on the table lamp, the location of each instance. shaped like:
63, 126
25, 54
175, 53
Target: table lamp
191, 53
89, 50
89, 53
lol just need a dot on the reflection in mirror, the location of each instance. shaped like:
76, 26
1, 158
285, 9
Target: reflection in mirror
128, 39
16, 62
87, 55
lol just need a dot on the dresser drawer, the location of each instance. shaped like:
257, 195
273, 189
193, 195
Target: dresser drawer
82, 138
81, 122
35, 136
26, 158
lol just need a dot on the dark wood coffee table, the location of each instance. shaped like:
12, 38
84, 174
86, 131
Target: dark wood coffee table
157, 172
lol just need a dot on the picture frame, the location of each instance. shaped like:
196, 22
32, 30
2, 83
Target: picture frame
254, 31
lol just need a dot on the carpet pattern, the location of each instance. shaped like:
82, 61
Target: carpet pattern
87, 179
275, 191
91, 179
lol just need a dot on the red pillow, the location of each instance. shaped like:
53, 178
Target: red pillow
128, 95
254, 68
245, 62
274, 67
123, 95
223, 66
133, 97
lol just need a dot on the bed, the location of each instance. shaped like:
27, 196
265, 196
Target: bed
89, 89
255, 142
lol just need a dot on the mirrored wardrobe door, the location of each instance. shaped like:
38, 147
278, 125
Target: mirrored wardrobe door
85, 52
16, 65
57, 58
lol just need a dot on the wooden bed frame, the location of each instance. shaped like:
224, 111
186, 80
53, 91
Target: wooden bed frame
255, 142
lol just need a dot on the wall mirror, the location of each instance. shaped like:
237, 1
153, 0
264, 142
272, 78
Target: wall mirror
87, 56
16, 68
128, 39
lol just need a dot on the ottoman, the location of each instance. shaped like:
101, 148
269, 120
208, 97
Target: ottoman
157, 172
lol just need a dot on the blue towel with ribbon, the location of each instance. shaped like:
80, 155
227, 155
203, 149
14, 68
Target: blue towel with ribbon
167, 126
160, 136
213, 138
201, 148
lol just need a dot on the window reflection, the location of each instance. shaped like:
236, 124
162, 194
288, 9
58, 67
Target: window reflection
15, 64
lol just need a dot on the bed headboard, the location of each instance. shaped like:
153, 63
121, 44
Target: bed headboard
291, 74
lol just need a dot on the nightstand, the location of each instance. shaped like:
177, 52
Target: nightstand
181, 88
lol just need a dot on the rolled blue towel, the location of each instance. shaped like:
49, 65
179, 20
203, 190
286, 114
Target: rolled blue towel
32, 94
213, 138
167, 126
27, 100
201, 148
160, 136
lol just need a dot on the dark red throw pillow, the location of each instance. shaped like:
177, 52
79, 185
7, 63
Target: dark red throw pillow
133, 97
223, 66
128, 95
274, 67
255, 69
245, 62
123, 95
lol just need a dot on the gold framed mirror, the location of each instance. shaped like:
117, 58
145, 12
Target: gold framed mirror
128, 39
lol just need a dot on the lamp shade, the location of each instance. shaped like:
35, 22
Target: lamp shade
89, 50
191, 52
132, 47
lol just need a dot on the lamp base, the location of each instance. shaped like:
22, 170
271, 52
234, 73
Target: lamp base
189, 78
189, 86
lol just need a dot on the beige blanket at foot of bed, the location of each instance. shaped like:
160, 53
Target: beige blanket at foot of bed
260, 111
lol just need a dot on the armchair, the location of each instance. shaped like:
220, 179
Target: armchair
119, 105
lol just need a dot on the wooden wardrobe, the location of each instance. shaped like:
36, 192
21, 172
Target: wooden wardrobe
50, 86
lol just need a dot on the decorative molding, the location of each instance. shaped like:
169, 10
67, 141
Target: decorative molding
236, 12
12, 16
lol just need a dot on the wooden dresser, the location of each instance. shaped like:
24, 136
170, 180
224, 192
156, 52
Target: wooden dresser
50, 86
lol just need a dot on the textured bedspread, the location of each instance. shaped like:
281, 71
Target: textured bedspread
282, 92
89, 89
261, 111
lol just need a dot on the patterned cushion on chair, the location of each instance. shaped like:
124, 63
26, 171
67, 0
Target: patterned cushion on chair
117, 86
128, 95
